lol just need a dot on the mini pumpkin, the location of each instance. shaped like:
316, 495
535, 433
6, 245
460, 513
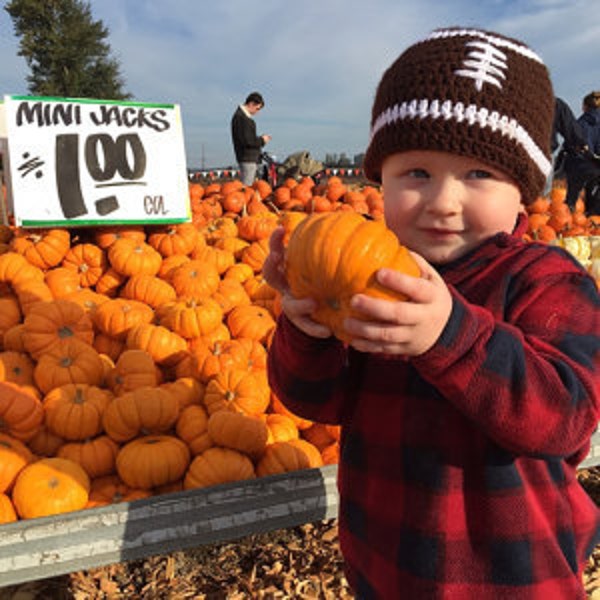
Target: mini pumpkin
21, 412
239, 390
250, 321
153, 460
7, 510
14, 456
88, 261
331, 257
145, 410
50, 486
193, 317
16, 367
74, 411
43, 248
97, 456
130, 256
216, 466
148, 289
282, 457
118, 315
178, 238
133, 369
192, 428
49, 325
109, 489
76, 362
247, 434
165, 346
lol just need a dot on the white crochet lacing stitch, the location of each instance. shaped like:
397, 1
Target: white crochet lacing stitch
484, 64
492, 39
471, 115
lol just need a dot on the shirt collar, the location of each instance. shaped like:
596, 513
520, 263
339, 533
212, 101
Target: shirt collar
245, 110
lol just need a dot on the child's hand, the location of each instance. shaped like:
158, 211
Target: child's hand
410, 327
297, 310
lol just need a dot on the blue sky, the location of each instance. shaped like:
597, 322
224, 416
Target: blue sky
316, 62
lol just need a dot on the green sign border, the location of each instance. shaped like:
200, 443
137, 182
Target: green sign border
92, 101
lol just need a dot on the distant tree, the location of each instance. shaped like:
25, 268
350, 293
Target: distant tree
65, 49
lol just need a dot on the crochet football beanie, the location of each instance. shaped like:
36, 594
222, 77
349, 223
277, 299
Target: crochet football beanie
469, 92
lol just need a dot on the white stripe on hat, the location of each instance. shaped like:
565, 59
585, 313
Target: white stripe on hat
492, 39
460, 113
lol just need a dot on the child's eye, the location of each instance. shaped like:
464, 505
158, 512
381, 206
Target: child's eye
418, 173
479, 174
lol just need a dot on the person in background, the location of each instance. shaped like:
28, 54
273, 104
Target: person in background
583, 168
466, 409
566, 126
246, 143
590, 121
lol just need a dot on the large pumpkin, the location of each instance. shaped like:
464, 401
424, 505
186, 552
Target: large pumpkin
333, 256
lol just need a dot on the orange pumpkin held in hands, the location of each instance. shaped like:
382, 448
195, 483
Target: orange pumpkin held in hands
332, 256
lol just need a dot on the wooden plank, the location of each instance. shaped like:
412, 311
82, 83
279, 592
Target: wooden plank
34, 549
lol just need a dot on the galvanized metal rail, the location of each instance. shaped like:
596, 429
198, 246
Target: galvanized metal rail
38, 548
593, 458
35, 549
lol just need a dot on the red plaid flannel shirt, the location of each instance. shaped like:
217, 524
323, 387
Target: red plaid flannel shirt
457, 475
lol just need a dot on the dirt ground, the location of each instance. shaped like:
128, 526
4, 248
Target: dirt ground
301, 563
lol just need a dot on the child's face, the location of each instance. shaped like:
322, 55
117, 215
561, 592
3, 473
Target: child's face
442, 205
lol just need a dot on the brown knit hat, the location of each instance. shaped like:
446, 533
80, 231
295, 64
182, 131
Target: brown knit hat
469, 92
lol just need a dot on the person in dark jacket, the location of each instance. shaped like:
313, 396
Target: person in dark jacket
567, 126
246, 143
590, 121
466, 409
583, 168
567, 139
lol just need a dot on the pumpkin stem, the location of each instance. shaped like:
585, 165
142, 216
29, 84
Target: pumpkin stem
79, 397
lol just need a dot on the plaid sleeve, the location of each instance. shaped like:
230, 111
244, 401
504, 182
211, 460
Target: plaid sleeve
529, 378
309, 375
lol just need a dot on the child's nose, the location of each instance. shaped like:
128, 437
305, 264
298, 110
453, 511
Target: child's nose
445, 196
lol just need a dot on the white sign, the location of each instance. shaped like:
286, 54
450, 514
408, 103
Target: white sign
76, 162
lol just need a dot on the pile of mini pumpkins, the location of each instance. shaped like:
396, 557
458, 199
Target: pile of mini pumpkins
133, 359
552, 221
